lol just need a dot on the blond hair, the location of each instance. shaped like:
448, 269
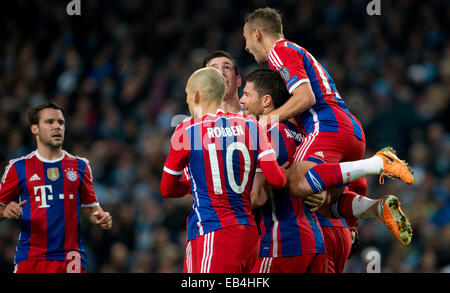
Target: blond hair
267, 19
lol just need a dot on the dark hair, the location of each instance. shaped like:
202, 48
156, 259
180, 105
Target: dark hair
266, 19
33, 114
217, 54
268, 82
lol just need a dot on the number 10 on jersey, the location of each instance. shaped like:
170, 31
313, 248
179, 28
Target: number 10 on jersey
215, 170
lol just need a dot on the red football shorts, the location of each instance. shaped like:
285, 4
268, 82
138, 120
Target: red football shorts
338, 242
309, 263
48, 266
330, 147
233, 249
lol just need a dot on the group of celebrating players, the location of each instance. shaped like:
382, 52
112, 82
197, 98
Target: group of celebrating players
277, 176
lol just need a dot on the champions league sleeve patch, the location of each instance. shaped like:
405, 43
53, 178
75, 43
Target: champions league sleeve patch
291, 81
284, 72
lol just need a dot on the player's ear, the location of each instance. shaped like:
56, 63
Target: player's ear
267, 101
257, 33
34, 129
196, 97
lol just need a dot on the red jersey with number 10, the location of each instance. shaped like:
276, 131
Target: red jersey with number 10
222, 152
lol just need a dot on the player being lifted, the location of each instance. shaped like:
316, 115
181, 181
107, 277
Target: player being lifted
52, 187
333, 134
222, 151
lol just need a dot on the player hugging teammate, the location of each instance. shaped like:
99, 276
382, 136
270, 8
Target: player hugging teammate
231, 164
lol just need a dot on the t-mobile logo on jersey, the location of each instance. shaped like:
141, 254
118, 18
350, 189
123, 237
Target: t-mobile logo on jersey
44, 197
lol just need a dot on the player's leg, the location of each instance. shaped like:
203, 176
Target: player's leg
315, 150
388, 209
358, 186
318, 150
298, 185
384, 163
319, 177
310, 177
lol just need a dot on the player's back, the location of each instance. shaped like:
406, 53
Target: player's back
224, 151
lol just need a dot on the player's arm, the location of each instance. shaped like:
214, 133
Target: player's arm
9, 191
171, 185
90, 206
275, 175
292, 69
260, 191
96, 215
301, 100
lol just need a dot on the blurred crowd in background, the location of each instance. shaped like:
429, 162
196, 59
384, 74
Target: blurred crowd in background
119, 71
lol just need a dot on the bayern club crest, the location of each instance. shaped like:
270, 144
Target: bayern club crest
71, 175
284, 72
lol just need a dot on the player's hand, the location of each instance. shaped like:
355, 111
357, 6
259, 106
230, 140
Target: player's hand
315, 201
103, 219
13, 210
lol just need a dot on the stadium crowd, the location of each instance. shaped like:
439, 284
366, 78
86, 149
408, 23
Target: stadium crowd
119, 71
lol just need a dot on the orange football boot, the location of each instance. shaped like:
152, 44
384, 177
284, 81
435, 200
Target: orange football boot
393, 167
394, 218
